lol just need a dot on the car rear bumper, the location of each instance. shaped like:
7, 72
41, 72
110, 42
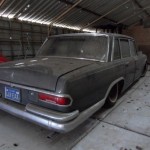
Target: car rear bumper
52, 120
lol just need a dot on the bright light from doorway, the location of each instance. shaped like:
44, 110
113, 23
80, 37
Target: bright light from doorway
21, 18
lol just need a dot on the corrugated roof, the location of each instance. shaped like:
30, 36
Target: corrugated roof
46, 11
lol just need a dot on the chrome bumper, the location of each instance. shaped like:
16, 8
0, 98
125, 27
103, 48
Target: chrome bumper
52, 120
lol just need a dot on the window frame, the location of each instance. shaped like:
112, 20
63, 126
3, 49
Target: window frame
120, 38
132, 40
116, 38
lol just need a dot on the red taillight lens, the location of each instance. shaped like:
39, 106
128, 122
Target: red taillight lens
54, 99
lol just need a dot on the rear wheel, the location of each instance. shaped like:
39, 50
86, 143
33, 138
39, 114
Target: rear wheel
112, 97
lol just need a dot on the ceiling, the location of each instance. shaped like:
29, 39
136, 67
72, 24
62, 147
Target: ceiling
77, 14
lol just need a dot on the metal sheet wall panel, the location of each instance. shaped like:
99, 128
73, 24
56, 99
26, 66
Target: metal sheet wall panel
17, 37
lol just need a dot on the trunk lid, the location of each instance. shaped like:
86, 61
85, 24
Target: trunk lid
39, 72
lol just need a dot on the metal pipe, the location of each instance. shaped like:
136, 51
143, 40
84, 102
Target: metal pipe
65, 12
37, 10
33, 6
42, 13
8, 13
140, 6
2, 2
87, 10
13, 1
105, 15
47, 17
127, 18
20, 10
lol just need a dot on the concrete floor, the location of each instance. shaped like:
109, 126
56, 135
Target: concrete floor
124, 127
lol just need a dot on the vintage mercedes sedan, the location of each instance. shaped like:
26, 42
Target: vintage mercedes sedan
71, 77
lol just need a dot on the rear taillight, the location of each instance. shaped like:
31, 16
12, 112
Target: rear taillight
54, 99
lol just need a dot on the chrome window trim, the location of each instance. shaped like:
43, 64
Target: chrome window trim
91, 34
113, 45
108, 48
88, 59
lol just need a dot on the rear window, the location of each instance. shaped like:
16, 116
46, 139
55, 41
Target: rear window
91, 47
125, 48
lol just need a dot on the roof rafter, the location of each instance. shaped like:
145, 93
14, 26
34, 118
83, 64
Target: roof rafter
2, 2
127, 18
87, 10
65, 12
140, 6
99, 18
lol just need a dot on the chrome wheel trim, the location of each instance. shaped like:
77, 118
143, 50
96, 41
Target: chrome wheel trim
113, 98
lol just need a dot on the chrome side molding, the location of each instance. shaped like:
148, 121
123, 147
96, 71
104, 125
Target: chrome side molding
50, 114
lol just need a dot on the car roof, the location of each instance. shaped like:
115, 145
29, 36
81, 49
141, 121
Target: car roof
93, 34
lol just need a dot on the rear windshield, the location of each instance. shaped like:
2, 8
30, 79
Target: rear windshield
89, 47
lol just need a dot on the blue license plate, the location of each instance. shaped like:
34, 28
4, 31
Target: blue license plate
12, 94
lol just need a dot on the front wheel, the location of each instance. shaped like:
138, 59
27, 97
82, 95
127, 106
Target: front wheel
112, 97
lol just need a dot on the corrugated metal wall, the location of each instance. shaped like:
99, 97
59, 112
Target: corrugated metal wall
19, 39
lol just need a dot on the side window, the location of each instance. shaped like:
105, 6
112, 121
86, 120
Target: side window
133, 48
125, 48
117, 54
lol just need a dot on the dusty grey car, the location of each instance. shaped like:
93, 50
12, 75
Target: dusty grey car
71, 77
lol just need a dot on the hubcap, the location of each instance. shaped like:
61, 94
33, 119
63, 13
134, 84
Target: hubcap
113, 94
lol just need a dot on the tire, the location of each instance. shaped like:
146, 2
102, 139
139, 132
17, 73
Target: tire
144, 70
112, 97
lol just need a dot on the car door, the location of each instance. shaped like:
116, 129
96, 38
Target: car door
129, 62
138, 59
